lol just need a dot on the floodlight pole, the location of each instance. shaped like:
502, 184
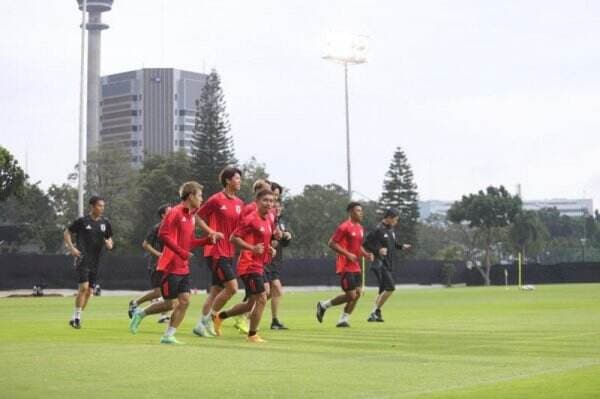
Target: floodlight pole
348, 162
81, 167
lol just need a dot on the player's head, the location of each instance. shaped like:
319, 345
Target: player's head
278, 207
96, 205
191, 193
355, 211
264, 201
162, 210
390, 217
231, 177
261, 184
277, 190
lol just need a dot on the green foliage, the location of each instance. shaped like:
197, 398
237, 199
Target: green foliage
527, 233
487, 212
212, 147
12, 177
110, 175
400, 193
63, 200
158, 183
252, 170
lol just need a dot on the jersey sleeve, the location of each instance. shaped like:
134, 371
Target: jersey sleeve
372, 242
207, 208
76, 226
243, 228
167, 234
339, 234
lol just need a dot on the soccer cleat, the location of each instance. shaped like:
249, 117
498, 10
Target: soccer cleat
343, 324
201, 331
255, 339
276, 325
132, 309
241, 324
170, 340
164, 319
217, 323
209, 326
372, 317
134, 324
378, 316
320, 312
75, 323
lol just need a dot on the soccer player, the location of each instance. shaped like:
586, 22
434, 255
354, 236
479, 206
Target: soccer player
273, 269
154, 246
253, 237
220, 215
383, 243
93, 232
177, 231
347, 243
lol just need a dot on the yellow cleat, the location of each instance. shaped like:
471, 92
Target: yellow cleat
255, 339
217, 323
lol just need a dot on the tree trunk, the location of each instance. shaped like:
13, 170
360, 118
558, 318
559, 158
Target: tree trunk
488, 260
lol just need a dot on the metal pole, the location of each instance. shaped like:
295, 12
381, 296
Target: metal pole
348, 168
82, 115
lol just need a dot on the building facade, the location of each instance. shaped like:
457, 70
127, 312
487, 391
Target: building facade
150, 111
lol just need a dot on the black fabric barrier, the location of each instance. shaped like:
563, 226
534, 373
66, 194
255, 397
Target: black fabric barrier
575, 272
129, 272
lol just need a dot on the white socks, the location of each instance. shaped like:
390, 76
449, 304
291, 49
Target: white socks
170, 331
344, 317
326, 304
77, 313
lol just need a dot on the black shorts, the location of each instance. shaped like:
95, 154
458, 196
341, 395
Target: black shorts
385, 279
254, 283
272, 272
156, 278
87, 270
174, 284
221, 270
350, 281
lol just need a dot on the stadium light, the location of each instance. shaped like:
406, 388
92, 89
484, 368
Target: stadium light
346, 49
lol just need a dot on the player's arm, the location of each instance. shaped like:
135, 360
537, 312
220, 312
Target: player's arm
202, 215
372, 242
68, 239
238, 241
108, 241
337, 248
150, 249
166, 233
366, 254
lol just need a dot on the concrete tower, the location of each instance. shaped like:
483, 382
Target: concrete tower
95, 8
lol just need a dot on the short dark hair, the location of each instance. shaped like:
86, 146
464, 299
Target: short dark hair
94, 199
276, 186
228, 173
162, 209
390, 213
352, 205
262, 193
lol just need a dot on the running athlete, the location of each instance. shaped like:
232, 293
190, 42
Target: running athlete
93, 232
347, 243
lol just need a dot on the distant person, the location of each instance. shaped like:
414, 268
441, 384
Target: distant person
273, 269
93, 232
347, 243
383, 243
154, 247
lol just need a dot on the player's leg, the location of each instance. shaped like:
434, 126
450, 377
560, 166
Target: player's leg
169, 292
322, 306
276, 295
258, 295
353, 293
183, 301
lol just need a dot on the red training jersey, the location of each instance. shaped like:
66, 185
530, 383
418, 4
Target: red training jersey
178, 232
254, 230
222, 214
349, 236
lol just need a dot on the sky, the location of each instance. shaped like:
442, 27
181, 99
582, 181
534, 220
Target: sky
476, 93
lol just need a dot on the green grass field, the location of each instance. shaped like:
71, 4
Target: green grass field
435, 343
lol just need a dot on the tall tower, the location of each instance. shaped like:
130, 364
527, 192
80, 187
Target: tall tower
95, 8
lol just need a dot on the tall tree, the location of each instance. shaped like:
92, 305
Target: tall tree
486, 212
400, 193
12, 177
212, 146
